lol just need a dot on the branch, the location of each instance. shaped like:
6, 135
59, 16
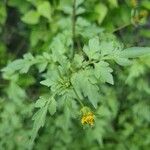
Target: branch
73, 23
121, 27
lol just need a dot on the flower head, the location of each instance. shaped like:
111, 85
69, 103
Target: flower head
88, 119
134, 3
87, 116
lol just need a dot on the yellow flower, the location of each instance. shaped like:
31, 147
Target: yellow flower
143, 13
88, 118
134, 3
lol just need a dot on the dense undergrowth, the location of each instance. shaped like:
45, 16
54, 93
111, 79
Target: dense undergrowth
75, 75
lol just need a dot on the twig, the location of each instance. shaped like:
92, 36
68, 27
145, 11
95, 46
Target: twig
121, 27
78, 98
73, 23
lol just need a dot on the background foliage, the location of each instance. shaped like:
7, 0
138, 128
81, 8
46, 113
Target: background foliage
42, 30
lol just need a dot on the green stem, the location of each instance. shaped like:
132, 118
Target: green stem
78, 98
73, 24
121, 27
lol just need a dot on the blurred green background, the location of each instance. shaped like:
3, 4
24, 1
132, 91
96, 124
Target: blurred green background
30, 26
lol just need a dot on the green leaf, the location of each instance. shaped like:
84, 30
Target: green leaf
31, 17
14, 66
80, 10
52, 77
57, 48
77, 61
123, 61
28, 62
106, 47
16, 96
79, 2
134, 52
92, 49
20, 65
113, 3
47, 82
101, 11
52, 106
94, 44
103, 72
42, 66
84, 88
92, 92
41, 63
40, 102
75, 80
39, 121
44, 9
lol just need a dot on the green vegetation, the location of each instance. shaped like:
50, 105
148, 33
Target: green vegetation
75, 75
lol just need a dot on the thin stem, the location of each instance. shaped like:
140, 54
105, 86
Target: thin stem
121, 27
78, 98
73, 24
